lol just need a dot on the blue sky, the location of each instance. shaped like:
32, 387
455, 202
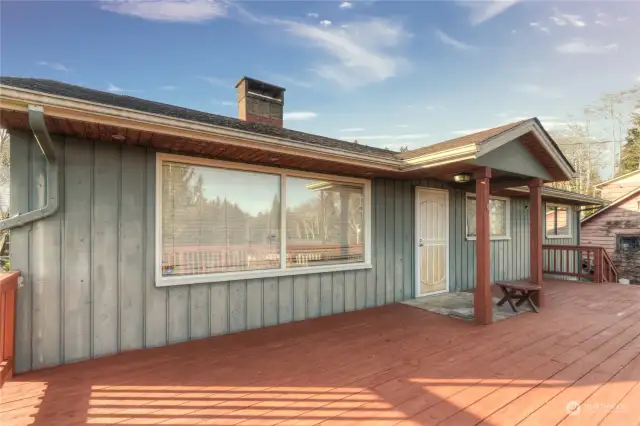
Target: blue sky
385, 73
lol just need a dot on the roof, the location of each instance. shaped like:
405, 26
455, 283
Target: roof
76, 101
471, 139
555, 194
613, 204
123, 101
617, 178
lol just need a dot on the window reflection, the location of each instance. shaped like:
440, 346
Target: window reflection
218, 220
325, 222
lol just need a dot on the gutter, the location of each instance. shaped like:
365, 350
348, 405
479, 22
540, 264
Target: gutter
52, 189
75, 109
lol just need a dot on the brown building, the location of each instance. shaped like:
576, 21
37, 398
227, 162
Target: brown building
616, 227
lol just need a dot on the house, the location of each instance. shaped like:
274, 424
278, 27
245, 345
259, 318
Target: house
138, 224
616, 227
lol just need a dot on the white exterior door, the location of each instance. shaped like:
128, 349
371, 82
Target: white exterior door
432, 239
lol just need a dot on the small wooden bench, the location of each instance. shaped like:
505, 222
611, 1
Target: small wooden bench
520, 290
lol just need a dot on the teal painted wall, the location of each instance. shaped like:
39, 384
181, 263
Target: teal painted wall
89, 269
515, 158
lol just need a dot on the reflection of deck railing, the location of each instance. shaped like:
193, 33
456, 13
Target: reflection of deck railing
582, 262
210, 259
8, 286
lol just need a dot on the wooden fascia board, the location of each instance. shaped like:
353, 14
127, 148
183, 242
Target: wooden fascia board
72, 109
463, 153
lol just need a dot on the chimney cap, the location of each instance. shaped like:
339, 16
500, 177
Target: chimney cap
255, 83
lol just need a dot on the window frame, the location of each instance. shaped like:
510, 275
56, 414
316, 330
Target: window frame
166, 281
618, 242
468, 237
569, 221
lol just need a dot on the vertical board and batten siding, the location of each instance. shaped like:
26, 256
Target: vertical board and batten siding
89, 279
89, 286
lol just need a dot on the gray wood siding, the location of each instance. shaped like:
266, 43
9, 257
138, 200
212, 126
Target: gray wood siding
88, 270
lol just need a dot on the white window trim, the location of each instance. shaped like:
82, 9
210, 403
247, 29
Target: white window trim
569, 221
508, 218
162, 281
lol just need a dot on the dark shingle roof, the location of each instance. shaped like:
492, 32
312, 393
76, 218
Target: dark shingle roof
476, 138
82, 93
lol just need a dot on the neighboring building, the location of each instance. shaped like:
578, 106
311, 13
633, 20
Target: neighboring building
175, 224
616, 227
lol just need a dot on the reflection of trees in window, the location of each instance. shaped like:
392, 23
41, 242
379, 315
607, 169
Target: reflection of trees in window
324, 222
231, 237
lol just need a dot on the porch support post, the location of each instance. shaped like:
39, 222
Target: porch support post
535, 229
482, 301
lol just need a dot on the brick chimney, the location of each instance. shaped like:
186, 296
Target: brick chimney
260, 102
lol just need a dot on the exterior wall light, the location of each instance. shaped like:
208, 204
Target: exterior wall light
462, 177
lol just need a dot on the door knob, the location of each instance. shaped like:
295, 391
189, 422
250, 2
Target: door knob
421, 243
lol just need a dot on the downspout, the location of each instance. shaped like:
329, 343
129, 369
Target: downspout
52, 189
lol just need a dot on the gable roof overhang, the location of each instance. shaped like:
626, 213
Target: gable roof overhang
613, 204
617, 178
166, 125
473, 147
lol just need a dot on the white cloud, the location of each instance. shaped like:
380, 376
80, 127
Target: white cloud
346, 5
299, 115
390, 137
483, 11
402, 126
562, 19
622, 18
535, 90
325, 23
539, 27
54, 65
215, 81
169, 10
600, 22
168, 87
579, 46
469, 132
352, 129
313, 15
446, 39
115, 89
357, 55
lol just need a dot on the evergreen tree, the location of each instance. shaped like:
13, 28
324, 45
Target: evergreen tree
630, 156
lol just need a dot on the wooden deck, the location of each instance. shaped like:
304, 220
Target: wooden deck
389, 365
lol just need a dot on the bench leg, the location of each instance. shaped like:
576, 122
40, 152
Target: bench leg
507, 298
504, 298
533, 305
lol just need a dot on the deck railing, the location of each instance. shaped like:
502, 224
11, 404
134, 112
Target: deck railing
581, 262
211, 259
8, 287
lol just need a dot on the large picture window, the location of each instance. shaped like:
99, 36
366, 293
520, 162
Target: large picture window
219, 221
558, 221
499, 217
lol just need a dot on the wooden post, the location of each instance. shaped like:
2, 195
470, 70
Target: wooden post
535, 229
482, 301
597, 267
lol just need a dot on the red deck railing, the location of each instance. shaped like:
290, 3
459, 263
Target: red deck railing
582, 262
8, 286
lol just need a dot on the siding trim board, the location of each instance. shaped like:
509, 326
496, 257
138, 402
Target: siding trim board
101, 245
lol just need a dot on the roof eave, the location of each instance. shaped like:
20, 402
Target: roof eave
18, 99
